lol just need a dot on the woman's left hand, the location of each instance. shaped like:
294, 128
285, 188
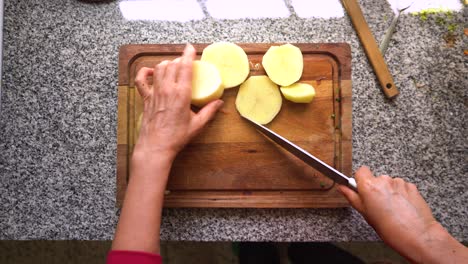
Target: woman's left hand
168, 123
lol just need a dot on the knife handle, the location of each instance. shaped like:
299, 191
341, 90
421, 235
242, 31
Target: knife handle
371, 48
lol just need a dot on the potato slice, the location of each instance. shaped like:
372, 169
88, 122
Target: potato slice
206, 83
259, 99
231, 61
298, 92
283, 64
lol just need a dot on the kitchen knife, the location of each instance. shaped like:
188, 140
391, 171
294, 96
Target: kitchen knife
308, 158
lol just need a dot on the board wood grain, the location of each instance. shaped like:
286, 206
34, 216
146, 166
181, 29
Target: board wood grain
230, 164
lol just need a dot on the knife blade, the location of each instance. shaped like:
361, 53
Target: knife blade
305, 156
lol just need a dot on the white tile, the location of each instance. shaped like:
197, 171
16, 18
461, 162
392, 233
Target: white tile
418, 5
166, 10
318, 8
237, 9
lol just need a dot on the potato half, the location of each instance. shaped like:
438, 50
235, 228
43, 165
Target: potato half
283, 64
259, 99
206, 83
231, 61
298, 92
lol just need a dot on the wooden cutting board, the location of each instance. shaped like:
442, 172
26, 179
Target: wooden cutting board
230, 164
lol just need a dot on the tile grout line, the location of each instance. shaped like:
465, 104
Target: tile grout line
202, 4
290, 7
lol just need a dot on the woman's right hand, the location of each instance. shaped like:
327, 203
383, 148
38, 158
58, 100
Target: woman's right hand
402, 218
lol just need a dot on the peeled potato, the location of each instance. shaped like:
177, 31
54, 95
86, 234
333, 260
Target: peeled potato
259, 99
206, 83
283, 64
231, 61
298, 92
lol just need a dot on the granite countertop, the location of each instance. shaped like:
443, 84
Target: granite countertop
59, 105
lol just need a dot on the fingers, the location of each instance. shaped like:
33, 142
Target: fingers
352, 197
412, 191
171, 74
160, 71
204, 116
141, 81
175, 77
185, 76
411, 188
364, 178
364, 173
399, 185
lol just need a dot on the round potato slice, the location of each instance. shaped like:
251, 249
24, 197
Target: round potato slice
298, 92
206, 83
259, 99
283, 64
231, 61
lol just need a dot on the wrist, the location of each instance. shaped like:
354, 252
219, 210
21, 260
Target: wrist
150, 166
436, 245
143, 155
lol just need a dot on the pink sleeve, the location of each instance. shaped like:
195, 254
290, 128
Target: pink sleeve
124, 257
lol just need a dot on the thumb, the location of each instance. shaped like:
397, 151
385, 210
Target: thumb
352, 197
204, 116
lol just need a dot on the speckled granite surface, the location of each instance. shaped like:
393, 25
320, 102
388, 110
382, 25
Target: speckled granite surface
58, 121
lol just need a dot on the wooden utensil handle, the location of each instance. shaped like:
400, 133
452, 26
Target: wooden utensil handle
371, 48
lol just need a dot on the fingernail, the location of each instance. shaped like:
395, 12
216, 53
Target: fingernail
219, 103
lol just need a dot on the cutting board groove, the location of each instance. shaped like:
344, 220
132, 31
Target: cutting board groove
230, 164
